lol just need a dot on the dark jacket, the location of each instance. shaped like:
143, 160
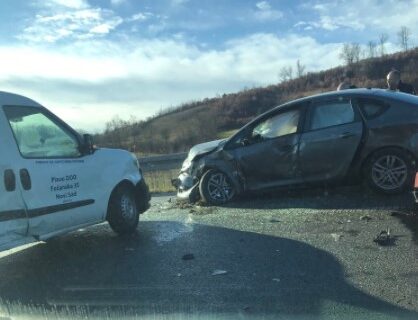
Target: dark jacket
406, 87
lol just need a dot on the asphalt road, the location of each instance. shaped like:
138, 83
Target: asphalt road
300, 255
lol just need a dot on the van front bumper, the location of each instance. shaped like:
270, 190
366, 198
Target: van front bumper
143, 196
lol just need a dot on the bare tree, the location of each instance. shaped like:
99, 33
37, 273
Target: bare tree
286, 73
300, 69
371, 46
350, 53
383, 38
404, 35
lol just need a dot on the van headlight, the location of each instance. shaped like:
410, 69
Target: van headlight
135, 161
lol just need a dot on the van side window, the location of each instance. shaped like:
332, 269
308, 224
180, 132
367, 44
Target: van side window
39, 136
372, 108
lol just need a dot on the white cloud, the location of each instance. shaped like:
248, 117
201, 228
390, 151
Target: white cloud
73, 4
102, 79
77, 24
265, 12
116, 3
140, 16
178, 2
263, 5
364, 14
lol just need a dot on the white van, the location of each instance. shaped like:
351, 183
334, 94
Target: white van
55, 181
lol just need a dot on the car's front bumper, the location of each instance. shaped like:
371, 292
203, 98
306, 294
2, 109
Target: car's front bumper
187, 187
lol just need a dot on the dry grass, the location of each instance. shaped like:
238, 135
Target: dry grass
160, 181
227, 134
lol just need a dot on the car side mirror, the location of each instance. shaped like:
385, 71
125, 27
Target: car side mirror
88, 145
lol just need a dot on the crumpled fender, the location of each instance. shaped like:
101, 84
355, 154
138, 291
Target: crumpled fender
220, 161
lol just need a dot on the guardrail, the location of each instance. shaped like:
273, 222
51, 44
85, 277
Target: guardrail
162, 162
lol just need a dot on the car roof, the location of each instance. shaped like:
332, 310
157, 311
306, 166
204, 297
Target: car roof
361, 92
12, 99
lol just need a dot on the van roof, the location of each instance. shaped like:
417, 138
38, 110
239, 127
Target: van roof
11, 99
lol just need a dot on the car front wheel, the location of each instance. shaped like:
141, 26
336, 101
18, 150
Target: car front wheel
390, 171
216, 188
123, 215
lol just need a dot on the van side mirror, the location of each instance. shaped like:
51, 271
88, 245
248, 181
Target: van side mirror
88, 145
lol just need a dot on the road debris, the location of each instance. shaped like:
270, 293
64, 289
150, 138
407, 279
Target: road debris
384, 238
189, 256
336, 236
179, 275
276, 279
219, 272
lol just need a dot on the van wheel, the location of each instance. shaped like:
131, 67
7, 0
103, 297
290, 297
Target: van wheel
390, 171
123, 214
216, 188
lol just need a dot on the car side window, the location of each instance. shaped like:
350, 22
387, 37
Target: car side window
372, 108
279, 125
38, 135
330, 114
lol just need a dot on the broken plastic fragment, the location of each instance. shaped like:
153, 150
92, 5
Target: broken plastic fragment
336, 236
189, 256
219, 272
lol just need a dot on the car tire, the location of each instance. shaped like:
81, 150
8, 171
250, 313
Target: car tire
123, 214
216, 188
390, 171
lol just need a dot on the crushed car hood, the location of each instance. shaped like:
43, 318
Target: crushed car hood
203, 148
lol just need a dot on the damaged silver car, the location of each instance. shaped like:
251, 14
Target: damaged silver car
344, 136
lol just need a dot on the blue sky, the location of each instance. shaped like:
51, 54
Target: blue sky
91, 60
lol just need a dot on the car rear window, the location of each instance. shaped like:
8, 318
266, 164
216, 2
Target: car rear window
372, 108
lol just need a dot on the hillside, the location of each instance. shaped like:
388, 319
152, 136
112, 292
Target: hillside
177, 129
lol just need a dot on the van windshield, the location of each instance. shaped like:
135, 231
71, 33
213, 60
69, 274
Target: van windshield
38, 135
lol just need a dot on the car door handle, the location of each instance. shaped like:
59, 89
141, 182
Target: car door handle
25, 179
9, 180
346, 135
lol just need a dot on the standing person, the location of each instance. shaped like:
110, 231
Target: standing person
395, 83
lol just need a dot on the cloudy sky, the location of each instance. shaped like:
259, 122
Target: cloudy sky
90, 60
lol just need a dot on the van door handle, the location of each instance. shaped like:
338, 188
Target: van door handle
9, 180
25, 179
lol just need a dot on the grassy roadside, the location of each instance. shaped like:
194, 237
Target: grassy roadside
160, 181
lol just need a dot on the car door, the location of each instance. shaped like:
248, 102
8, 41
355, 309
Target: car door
333, 132
57, 180
268, 154
13, 218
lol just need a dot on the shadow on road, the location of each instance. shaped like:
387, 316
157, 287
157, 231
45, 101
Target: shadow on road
410, 220
94, 272
347, 197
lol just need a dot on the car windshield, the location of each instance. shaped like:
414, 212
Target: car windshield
186, 159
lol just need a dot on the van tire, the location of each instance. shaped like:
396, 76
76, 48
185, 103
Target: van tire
123, 213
